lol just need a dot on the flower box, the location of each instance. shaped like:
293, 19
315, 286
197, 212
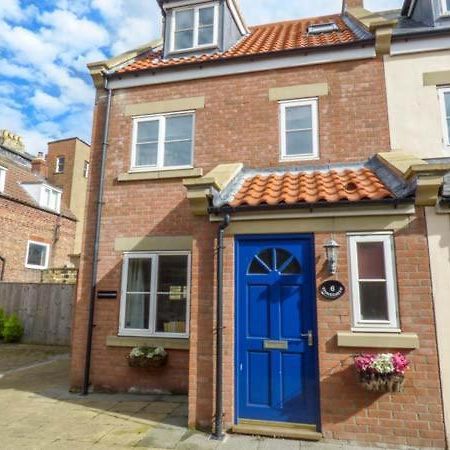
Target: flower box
147, 357
384, 372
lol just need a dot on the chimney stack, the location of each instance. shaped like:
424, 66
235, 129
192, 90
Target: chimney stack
353, 3
11, 141
39, 165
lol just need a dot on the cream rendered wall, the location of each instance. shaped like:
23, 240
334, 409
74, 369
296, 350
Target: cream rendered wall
414, 110
439, 247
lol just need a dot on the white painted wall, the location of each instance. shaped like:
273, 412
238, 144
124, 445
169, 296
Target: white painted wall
414, 110
439, 246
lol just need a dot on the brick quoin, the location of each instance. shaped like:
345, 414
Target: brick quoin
239, 124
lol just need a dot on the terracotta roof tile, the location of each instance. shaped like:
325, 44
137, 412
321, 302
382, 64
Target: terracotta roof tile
290, 188
268, 38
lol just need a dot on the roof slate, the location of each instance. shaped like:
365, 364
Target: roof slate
17, 175
262, 39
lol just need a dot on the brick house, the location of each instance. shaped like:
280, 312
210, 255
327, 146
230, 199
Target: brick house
38, 228
227, 163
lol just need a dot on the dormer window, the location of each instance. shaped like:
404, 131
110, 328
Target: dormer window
322, 28
50, 199
2, 179
195, 28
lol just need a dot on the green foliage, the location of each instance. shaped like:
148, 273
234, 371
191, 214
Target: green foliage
2, 322
12, 329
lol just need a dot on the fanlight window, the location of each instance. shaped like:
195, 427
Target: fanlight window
274, 259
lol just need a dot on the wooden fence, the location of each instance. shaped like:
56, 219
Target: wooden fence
45, 309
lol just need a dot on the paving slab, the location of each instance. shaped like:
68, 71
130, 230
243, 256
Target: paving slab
167, 438
197, 441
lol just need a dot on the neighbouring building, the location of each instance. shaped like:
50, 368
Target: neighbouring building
418, 92
229, 163
38, 229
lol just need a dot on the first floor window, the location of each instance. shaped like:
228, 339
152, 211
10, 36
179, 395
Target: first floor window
155, 294
374, 290
444, 95
60, 162
299, 130
37, 255
164, 141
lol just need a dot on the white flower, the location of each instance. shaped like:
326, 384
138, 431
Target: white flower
383, 363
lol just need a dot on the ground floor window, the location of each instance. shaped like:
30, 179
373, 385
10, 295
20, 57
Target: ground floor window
373, 281
155, 294
37, 255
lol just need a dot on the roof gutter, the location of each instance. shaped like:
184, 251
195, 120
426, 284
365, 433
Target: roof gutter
95, 258
395, 202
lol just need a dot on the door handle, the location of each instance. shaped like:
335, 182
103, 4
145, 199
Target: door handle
310, 337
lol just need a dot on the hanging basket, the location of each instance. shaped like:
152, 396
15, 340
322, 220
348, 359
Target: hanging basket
143, 362
382, 383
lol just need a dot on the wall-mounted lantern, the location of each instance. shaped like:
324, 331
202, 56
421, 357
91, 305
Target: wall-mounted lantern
331, 251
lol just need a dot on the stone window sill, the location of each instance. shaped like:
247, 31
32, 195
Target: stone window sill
378, 340
167, 343
160, 174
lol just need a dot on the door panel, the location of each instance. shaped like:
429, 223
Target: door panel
276, 367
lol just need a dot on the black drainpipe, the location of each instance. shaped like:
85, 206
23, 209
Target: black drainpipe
218, 429
2, 273
87, 364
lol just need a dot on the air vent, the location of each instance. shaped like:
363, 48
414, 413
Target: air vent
322, 28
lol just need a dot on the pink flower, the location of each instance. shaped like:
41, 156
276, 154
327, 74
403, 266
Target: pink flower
364, 362
400, 362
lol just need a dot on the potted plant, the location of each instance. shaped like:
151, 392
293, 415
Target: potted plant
145, 357
383, 372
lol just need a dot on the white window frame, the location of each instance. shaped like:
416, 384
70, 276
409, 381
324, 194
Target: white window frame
47, 255
196, 10
52, 190
86, 169
151, 332
444, 8
58, 161
161, 142
3, 171
393, 324
444, 115
284, 105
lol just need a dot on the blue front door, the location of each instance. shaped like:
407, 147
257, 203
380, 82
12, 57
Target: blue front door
276, 332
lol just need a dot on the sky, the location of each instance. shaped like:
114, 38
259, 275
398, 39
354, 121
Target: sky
45, 89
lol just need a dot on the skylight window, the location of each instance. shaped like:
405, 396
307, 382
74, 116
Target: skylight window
322, 28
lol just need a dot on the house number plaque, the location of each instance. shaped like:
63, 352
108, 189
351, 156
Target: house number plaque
332, 289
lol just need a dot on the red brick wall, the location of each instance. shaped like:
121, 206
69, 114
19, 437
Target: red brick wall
20, 223
240, 124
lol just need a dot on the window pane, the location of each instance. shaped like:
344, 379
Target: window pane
184, 39
148, 131
206, 36
172, 294
299, 143
298, 117
37, 255
373, 298
448, 5
206, 16
371, 260
178, 154
171, 317
172, 273
178, 128
146, 154
139, 275
184, 20
137, 311
447, 102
